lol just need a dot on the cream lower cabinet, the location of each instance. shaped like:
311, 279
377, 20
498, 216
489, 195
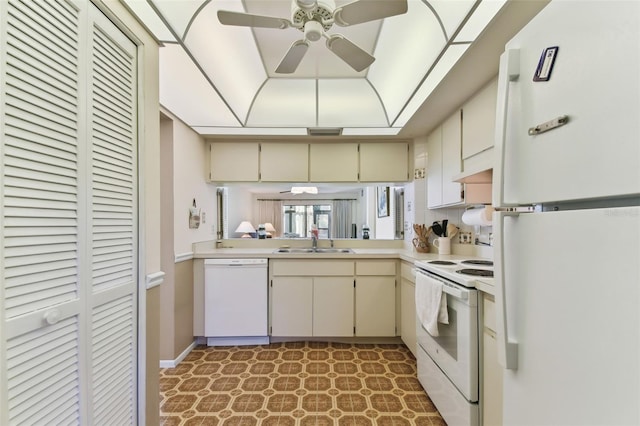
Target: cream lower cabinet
408, 306
333, 306
376, 298
292, 306
312, 298
491, 369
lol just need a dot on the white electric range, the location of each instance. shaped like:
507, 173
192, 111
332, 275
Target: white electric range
465, 272
448, 361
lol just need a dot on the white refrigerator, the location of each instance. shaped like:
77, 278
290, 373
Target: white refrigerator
567, 229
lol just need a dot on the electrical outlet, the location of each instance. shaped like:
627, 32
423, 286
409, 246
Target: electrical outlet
464, 237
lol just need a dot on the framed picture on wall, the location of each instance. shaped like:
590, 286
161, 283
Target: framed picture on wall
382, 194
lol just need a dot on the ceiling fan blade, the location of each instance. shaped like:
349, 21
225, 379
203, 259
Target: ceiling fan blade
361, 11
240, 19
292, 58
357, 58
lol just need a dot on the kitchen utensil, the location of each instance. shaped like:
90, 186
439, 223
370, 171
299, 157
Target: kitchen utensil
436, 228
452, 230
444, 227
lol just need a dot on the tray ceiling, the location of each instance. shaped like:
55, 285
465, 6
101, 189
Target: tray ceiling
221, 80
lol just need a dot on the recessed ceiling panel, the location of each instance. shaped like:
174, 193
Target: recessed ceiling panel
448, 60
285, 103
349, 103
228, 55
186, 93
485, 12
451, 13
179, 13
407, 47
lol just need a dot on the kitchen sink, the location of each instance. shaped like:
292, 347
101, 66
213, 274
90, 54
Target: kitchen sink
313, 250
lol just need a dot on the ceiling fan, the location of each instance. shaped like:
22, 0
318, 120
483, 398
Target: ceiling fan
314, 18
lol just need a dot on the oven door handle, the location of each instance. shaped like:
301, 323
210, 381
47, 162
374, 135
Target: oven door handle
458, 294
446, 288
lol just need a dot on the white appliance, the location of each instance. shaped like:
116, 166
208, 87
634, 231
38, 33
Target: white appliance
567, 233
236, 301
448, 364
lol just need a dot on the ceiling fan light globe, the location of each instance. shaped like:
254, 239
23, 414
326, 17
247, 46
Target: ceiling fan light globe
313, 31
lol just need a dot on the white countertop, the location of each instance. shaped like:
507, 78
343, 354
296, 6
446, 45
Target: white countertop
358, 253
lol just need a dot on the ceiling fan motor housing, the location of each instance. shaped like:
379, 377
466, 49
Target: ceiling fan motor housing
322, 12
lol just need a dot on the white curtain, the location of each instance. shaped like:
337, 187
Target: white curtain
270, 211
342, 218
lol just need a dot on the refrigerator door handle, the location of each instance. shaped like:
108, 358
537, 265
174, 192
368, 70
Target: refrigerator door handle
507, 346
509, 71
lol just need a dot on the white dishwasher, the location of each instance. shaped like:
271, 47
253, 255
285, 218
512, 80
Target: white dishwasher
236, 302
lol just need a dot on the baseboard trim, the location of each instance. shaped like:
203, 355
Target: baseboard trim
173, 363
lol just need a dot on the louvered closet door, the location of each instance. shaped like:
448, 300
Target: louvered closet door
69, 246
113, 223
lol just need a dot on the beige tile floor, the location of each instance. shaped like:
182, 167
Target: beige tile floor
300, 383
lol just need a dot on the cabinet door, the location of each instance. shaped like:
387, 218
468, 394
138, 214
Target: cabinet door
333, 306
284, 162
479, 120
234, 162
434, 168
492, 371
375, 306
384, 162
492, 381
333, 162
451, 159
408, 314
291, 306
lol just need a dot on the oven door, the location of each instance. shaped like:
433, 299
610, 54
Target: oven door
455, 350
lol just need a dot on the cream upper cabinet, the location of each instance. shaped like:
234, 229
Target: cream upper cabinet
284, 162
478, 125
384, 162
234, 162
333, 162
434, 168
451, 159
444, 162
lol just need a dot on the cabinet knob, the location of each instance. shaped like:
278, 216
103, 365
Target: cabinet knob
52, 317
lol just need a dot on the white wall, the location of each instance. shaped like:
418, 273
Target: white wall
189, 171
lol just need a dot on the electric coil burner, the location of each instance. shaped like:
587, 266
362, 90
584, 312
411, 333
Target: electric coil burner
478, 262
442, 262
476, 272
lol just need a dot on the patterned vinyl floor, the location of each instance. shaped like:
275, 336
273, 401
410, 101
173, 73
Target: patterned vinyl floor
300, 383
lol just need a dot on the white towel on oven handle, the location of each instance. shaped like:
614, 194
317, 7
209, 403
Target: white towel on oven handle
431, 303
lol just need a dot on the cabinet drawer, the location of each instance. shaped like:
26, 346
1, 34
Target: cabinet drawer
407, 272
489, 306
376, 267
312, 268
